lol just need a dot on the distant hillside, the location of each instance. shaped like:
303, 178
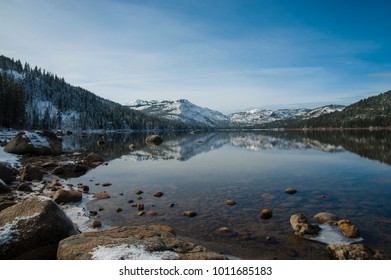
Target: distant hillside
32, 98
374, 111
264, 118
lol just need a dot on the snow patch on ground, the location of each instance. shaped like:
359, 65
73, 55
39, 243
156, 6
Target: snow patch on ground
37, 140
130, 252
11, 159
331, 235
79, 215
10, 231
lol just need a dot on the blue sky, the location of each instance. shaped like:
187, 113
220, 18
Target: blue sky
222, 54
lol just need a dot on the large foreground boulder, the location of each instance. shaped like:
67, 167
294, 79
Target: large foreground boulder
132, 243
40, 142
32, 229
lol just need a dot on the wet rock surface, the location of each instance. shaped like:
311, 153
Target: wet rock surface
143, 242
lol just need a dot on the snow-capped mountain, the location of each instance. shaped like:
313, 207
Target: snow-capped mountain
180, 110
263, 116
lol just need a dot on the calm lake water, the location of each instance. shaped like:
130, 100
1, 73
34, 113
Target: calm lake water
347, 173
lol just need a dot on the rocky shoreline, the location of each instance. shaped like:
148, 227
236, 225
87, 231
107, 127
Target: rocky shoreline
34, 197
42, 216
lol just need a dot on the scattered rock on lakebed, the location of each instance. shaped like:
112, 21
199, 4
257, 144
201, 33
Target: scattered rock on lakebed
230, 202
290, 191
189, 213
102, 195
158, 194
137, 191
266, 213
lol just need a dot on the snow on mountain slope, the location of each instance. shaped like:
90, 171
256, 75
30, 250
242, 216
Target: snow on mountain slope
180, 110
262, 116
323, 110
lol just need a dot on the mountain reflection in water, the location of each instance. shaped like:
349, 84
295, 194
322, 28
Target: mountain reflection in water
200, 171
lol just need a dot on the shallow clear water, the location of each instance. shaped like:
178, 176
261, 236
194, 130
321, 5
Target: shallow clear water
346, 173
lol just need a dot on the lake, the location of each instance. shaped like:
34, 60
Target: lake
347, 173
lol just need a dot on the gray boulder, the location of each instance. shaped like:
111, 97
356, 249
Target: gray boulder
32, 229
40, 142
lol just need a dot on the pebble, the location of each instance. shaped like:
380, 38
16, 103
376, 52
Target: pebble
140, 206
106, 184
152, 213
189, 213
130, 201
171, 205
93, 213
140, 213
102, 195
86, 189
290, 191
96, 223
266, 213
230, 202
137, 191
158, 194
118, 209
225, 230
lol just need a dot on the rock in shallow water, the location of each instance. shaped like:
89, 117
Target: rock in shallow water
325, 217
301, 226
189, 213
266, 213
290, 191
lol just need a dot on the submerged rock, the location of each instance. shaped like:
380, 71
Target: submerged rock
102, 195
189, 213
158, 194
32, 229
230, 202
266, 213
132, 243
290, 191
